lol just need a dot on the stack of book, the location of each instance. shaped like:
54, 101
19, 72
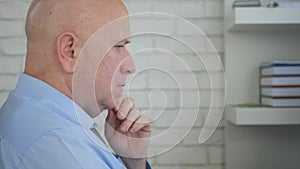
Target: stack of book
280, 84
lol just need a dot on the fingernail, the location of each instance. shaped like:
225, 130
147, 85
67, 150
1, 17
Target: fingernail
122, 114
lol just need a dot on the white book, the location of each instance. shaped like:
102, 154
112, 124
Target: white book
280, 68
281, 71
280, 102
281, 92
289, 4
280, 63
280, 81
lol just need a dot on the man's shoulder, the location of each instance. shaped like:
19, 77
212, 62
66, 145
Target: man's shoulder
40, 136
23, 121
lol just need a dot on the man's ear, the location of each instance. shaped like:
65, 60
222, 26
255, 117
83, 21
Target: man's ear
66, 49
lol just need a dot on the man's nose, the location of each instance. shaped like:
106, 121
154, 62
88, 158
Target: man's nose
128, 65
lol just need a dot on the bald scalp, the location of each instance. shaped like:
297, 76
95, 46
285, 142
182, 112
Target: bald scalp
48, 19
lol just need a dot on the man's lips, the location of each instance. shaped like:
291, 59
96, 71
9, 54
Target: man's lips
122, 85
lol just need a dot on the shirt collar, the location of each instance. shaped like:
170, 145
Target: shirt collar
36, 89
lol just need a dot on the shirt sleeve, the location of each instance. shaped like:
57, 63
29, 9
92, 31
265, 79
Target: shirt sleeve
148, 165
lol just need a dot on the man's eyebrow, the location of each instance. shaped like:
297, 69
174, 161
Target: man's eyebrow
127, 41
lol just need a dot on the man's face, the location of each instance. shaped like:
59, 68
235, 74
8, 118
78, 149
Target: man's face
102, 51
111, 75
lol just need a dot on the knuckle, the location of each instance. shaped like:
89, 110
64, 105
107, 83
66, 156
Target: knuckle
134, 114
145, 119
127, 122
130, 100
136, 110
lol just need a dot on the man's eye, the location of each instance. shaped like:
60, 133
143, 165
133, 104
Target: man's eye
119, 46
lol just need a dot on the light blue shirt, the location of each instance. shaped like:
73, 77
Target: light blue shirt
41, 128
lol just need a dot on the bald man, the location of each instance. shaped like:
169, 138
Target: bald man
76, 67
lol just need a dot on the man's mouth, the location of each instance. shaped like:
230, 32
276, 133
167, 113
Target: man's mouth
122, 85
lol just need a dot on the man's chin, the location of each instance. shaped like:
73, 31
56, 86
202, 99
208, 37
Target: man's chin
112, 104
117, 101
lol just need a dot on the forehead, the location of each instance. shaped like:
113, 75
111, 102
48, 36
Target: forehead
115, 31
107, 36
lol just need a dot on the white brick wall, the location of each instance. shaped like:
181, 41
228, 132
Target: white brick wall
207, 15
13, 9
177, 64
3, 97
192, 155
212, 26
186, 9
8, 82
10, 65
11, 28
180, 118
214, 8
13, 46
216, 155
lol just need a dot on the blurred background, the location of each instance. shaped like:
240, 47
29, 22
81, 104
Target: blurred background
207, 15
173, 83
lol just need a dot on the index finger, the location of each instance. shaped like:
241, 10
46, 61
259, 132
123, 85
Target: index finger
125, 107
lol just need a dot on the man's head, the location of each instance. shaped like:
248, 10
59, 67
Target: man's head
57, 33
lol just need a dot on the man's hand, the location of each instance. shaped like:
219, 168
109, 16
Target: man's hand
128, 132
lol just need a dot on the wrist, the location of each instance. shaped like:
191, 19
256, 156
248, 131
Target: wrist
134, 163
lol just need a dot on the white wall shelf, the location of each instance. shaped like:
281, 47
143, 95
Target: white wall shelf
260, 18
263, 116
266, 137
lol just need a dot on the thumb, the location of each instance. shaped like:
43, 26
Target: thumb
111, 116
